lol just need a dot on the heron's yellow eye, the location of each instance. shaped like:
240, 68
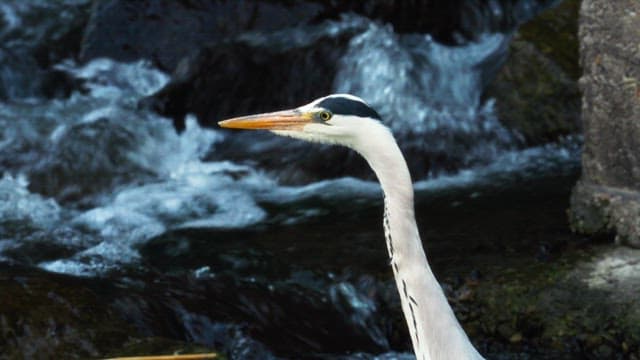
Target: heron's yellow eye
325, 115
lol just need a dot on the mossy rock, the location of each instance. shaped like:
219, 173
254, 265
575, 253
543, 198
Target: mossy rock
563, 308
555, 33
536, 91
52, 316
49, 316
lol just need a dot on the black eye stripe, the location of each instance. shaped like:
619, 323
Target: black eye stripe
345, 106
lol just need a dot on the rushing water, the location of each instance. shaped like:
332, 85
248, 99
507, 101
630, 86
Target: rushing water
93, 186
428, 93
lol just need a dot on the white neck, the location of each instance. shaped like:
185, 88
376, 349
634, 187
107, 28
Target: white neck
434, 329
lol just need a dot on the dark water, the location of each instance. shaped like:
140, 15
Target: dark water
219, 253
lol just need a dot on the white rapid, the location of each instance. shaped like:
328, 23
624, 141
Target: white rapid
97, 169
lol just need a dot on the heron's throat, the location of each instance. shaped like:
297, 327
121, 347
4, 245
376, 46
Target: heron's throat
434, 330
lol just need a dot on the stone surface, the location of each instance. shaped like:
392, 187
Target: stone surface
555, 33
586, 302
536, 90
51, 316
48, 316
608, 196
264, 72
34, 36
165, 31
616, 270
606, 210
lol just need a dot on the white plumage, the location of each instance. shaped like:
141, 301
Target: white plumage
435, 332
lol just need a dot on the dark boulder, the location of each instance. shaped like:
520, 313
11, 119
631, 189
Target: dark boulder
49, 316
33, 39
536, 90
50, 30
165, 31
259, 72
264, 73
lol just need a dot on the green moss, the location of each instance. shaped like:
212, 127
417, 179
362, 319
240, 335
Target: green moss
536, 90
548, 306
49, 316
555, 34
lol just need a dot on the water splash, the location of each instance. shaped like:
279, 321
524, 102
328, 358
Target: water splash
19, 207
428, 93
555, 158
159, 181
174, 187
112, 80
227, 337
359, 309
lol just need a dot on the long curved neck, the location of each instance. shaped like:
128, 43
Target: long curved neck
434, 329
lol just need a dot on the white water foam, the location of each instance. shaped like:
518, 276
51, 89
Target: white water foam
19, 206
174, 188
429, 93
184, 191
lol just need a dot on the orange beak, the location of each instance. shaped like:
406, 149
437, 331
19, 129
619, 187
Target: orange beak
279, 120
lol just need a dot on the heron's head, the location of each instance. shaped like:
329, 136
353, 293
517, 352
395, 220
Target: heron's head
335, 119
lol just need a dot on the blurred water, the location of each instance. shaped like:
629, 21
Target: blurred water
420, 85
430, 94
121, 176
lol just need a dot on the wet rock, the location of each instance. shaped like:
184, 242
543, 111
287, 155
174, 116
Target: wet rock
259, 72
166, 31
602, 210
616, 271
52, 316
586, 305
33, 38
252, 65
290, 310
22, 77
264, 73
536, 91
607, 198
554, 32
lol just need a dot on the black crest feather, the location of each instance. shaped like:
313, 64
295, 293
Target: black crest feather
339, 105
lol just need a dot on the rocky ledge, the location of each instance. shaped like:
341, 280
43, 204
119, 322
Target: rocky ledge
608, 196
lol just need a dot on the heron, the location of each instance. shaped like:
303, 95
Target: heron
347, 120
